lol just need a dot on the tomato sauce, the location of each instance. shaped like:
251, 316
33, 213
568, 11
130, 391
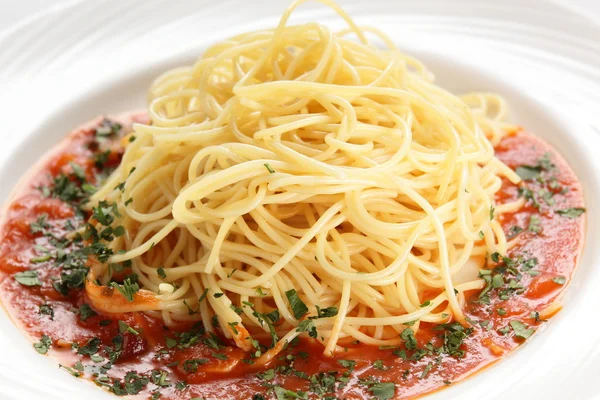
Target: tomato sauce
135, 355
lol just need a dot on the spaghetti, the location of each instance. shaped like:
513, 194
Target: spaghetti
300, 180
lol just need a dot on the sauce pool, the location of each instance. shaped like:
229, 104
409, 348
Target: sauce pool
134, 355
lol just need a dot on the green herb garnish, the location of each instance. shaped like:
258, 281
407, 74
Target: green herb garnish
28, 278
127, 289
85, 312
123, 328
521, 330
571, 212
383, 390
299, 309
43, 345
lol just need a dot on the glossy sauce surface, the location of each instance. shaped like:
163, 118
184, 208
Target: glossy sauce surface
139, 357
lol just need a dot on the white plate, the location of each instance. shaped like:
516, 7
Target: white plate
72, 63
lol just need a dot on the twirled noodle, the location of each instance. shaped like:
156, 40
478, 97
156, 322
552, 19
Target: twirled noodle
301, 158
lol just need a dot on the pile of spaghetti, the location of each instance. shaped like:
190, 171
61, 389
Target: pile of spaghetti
300, 181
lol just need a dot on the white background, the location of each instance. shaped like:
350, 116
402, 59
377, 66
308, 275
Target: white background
12, 11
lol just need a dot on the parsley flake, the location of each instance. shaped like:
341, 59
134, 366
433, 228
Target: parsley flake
535, 224
383, 390
349, 364
123, 327
571, 212
521, 330
127, 289
296, 304
43, 345
28, 278
46, 309
85, 312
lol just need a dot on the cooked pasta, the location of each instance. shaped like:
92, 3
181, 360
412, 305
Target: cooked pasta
311, 173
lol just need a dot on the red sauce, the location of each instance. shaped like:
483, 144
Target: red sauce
555, 241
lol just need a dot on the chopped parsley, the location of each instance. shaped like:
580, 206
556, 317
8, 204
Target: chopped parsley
533, 172
96, 358
85, 312
571, 212
378, 364
503, 279
46, 309
78, 172
514, 231
220, 356
170, 342
108, 128
299, 309
73, 277
68, 189
269, 168
131, 384
40, 225
203, 296
124, 328
410, 341
213, 341
28, 278
160, 378
383, 390
191, 366
285, 394
528, 172
266, 375
540, 174
307, 325
75, 371
233, 325
521, 330
41, 259
504, 330
349, 364
43, 345
535, 224
453, 337
127, 289
400, 353
426, 370
269, 319
326, 312
91, 347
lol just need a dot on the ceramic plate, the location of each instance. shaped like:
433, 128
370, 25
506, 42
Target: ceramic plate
66, 65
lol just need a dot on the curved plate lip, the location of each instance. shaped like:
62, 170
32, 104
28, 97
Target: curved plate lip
472, 387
